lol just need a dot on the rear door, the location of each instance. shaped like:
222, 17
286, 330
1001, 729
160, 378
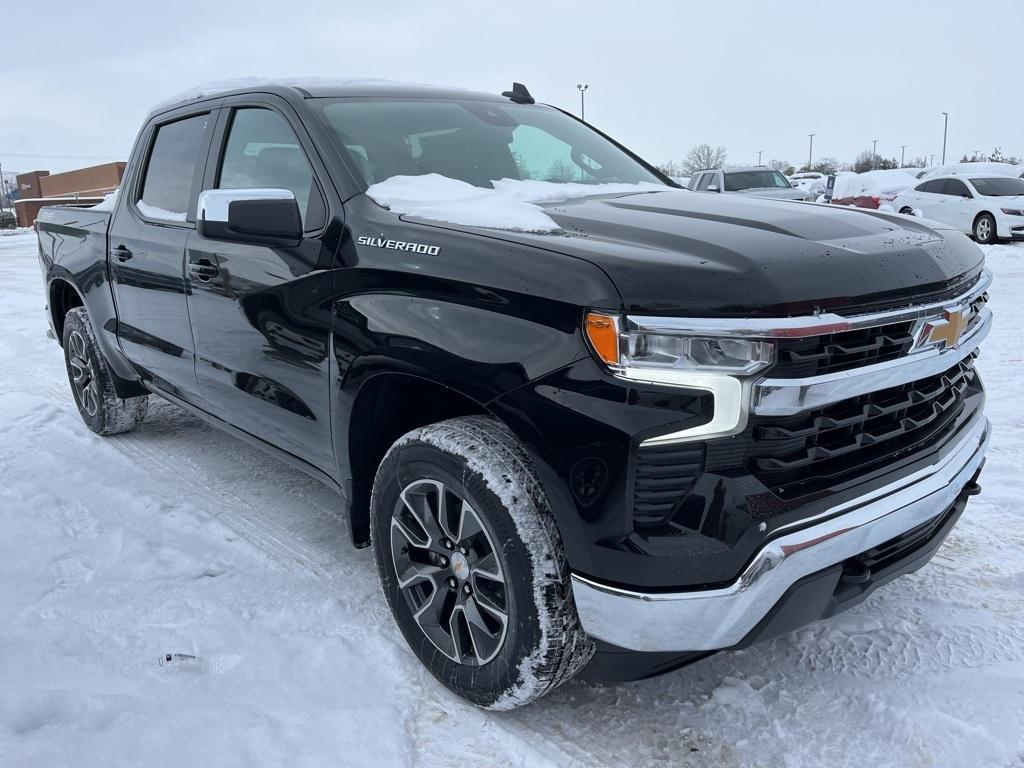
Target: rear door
155, 215
261, 315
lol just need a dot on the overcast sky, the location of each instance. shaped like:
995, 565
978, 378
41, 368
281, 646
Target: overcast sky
79, 77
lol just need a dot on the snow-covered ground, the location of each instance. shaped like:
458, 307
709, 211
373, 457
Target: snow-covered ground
180, 539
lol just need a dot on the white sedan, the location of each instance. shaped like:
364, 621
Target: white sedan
990, 208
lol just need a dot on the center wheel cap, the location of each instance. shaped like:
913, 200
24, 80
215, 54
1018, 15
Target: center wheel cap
460, 566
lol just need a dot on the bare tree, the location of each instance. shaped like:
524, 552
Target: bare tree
562, 170
782, 166
703, 158
672, 168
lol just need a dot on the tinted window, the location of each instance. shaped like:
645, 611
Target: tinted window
171, 168
1000, 186
705, 180
754, 180
262, 152
935, 186
957, 188
475, 141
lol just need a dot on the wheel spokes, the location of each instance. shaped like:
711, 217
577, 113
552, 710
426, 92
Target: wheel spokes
447, 567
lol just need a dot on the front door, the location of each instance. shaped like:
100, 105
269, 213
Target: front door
147, 252
261, 315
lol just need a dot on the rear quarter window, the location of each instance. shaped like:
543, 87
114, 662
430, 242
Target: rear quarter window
171, 168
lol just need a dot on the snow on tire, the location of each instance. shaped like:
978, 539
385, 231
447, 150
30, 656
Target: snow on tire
435, 484
91, 382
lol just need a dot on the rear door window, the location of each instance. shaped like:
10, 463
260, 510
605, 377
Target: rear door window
956, 188
171, 169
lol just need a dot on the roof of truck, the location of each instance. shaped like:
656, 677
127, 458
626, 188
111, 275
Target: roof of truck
322, 87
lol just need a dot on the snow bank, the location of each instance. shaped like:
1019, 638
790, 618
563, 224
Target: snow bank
512, 204
876, 183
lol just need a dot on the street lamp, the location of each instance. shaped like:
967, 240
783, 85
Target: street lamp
874, 154
945, 127
810, 151
903, 154
583, 89
759, 157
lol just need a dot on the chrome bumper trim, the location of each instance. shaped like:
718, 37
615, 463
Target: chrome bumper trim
704, 620
785, 397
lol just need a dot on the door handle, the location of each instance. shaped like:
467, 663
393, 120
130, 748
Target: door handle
121, 253
203, 269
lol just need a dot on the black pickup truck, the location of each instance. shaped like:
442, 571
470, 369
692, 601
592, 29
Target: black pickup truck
670, 424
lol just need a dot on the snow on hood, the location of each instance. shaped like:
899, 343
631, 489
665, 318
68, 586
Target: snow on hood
512, 204
873, 183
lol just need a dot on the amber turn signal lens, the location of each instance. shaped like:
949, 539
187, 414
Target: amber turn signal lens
603, 333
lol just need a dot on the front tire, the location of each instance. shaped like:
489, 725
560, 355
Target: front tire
92, 384
985, 229
472, 564
906, 210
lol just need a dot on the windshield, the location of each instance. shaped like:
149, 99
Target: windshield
475, 141
738, 180
999, 186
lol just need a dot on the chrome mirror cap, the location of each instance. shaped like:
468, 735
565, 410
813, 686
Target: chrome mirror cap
214, 203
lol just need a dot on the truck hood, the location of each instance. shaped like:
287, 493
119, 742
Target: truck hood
688, 254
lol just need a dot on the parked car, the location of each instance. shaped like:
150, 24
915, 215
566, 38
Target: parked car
990, 208
811, 182
870, 189
666, 425
758, 182
8, 219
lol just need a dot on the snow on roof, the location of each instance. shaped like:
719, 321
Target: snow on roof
215, 87
511, 205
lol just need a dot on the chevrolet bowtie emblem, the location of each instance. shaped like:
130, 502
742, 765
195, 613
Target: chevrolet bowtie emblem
949, 329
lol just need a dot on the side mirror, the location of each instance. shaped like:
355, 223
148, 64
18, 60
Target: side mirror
713, 188
257, 216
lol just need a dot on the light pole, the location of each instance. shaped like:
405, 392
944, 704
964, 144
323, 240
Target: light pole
903, 153
945, 127
874, 154
759, 157
583, 89
810, 151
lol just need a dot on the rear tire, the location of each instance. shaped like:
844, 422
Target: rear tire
907, 210
92, 384
985, 229
472, 564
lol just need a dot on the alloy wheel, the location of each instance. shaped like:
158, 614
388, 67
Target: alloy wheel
449, 573
984, 230
83, 374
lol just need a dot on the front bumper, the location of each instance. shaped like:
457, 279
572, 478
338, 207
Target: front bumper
705, 620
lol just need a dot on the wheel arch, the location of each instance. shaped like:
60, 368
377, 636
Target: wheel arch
385, 407
62, 297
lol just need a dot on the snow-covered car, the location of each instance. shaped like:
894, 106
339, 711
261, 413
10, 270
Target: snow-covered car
811, 182
870, 189
990, 208
7, 219
758, 181
975, 169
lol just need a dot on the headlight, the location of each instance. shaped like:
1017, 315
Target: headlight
623, 348
1013, 211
